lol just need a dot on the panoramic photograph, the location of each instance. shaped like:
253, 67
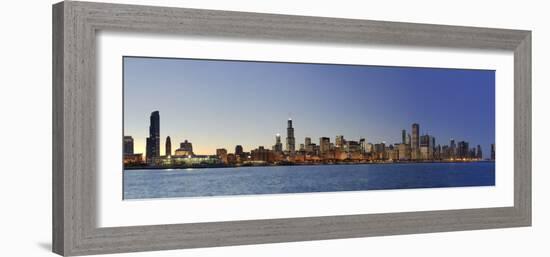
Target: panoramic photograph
201, 128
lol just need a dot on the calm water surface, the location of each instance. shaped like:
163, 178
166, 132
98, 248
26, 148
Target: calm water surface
142, 184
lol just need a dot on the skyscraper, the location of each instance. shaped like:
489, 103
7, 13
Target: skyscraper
403, 136
168, 146
128, 145
380, 150
308, 145
324, 145
308, 141
437, 152
452, 150
404, 152
238, 150
427, 146
278, 147
363, 144
493, 152
479, 153
290, 140
352, 146
415, 141
340, 141
462, 150
153, 141
425, 140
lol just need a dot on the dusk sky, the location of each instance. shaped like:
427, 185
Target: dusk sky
220, 104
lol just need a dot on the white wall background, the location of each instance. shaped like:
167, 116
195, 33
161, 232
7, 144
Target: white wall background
25, 128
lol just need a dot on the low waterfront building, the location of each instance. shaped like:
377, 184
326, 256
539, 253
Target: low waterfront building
191, 160
231, 158
356, 156
133, 159
262, 154
243, 157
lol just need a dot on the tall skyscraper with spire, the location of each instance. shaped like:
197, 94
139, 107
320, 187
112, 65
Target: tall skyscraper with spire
290, 140
153, 141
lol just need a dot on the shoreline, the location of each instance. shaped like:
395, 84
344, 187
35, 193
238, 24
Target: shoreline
222, 166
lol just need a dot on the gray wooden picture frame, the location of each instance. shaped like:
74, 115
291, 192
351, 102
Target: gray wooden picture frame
75, 25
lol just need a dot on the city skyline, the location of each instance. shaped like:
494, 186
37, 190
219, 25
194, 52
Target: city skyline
369, 102
414, 140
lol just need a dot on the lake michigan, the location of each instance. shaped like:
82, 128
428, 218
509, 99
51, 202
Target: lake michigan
155, 183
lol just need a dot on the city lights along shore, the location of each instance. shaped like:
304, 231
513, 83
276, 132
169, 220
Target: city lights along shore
413, 148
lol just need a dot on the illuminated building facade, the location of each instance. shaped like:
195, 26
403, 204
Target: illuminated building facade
404, 151
222, 154
186, 149
343, 151
324, 145
340, 141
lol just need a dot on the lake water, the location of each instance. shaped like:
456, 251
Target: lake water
143, 184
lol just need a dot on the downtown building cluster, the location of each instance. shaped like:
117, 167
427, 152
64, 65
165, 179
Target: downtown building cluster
413, 147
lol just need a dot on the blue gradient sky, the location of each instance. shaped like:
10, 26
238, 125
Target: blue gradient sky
219, 104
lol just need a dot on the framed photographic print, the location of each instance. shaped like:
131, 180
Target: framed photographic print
196, 96
182, 128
